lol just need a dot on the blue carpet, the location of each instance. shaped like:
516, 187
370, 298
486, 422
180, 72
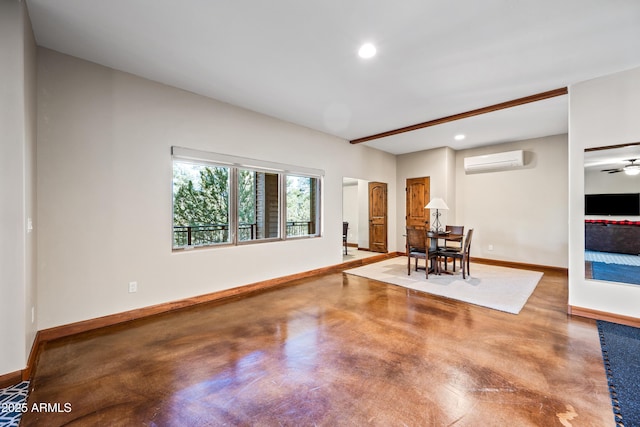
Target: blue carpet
621, 354
616, 272
11, 401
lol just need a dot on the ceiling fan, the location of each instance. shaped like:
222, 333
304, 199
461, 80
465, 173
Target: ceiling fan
631, 169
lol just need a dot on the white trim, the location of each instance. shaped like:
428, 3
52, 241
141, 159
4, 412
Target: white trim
243, 162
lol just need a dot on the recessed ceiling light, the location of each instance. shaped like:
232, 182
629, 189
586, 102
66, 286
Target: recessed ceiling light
367, 51
459, 137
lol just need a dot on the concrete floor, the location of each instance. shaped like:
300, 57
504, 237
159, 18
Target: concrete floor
333, 350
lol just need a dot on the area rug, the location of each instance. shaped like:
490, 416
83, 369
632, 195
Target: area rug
612, 258
621, 355
616, 272
12, 401
499, 288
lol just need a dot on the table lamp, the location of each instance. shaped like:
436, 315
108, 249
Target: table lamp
437, 204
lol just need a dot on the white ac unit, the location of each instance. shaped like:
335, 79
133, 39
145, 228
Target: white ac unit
496, 161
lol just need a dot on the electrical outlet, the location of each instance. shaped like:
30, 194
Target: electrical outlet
490, 247
133, 287
33, 315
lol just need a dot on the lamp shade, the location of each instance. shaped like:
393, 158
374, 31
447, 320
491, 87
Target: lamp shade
436, 203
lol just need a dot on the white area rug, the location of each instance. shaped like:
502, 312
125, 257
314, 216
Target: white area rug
499, 288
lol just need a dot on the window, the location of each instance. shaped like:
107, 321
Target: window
301, 205
223, 200
200, 204
258, 205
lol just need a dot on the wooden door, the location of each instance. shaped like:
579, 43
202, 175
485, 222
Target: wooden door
418, 196
378, 217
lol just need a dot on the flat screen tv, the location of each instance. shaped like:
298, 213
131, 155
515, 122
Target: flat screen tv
624, 204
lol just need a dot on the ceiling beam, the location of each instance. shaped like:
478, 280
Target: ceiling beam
460, 116
609, 147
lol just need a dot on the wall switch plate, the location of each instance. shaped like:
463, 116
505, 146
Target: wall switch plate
133, 287
490, 247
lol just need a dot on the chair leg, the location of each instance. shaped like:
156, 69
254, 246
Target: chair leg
464, 263
408, 265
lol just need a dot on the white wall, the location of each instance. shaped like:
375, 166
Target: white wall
602, 112
439, 165
350, 210
30, 181
104, 198
597, 182
355, 202
17, 185
522, 213
363, 215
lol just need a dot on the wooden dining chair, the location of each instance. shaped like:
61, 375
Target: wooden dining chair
462, 255
452, 245
345, 230
417, 248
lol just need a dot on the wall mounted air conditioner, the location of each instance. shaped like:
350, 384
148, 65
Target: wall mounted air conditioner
496, 161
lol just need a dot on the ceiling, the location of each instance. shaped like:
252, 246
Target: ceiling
611, 158
297, 60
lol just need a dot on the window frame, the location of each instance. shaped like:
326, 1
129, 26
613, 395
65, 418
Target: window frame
235, 164
317, 201
231, 214
235, 172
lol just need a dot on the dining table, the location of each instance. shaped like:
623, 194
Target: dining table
434, 237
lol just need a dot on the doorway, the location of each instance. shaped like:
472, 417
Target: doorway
378, 217
355, 211
418, 195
